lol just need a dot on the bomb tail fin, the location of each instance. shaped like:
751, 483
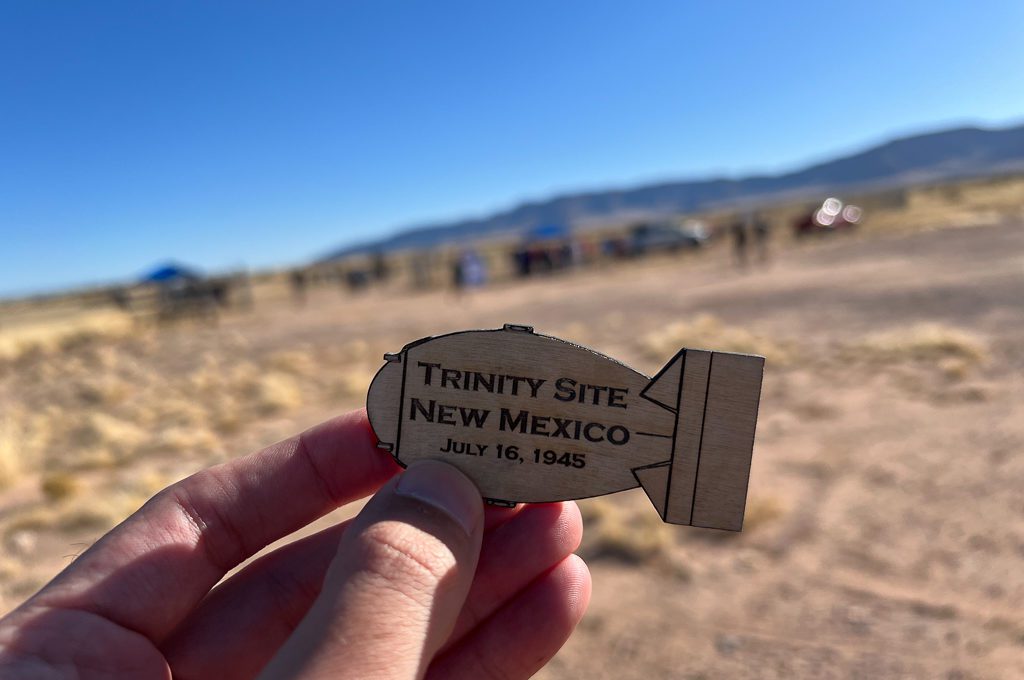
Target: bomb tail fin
715, 396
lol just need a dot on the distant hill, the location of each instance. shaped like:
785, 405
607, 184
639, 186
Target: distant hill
949, 154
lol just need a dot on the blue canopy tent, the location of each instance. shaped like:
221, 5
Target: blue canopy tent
547, 232
170, 273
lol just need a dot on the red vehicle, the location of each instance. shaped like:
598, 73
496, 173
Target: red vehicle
831, 216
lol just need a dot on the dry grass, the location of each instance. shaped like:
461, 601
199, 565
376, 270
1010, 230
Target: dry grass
950, 348
277, 393
24, 438
955, 368
352, 381
48, 333
101, 390
233, 394
293, 362
94, 516
576, 332
972, 203
625, 535
74, 507
762, 511
225, 415
634, 534
185, 440
356, 351
59, 486
96, 440
10, 461
707, 331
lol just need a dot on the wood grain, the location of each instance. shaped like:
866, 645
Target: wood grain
689, 426
728, 440
532, 418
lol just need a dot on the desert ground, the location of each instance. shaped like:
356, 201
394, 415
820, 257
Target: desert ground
884, 535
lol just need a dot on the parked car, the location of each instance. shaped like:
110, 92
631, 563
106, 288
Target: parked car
656, 236
831, 216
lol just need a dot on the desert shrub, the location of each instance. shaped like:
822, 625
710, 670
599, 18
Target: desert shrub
708, 332
181, 411
184, 440
353, 381
88, 520
29, 522
24, 436
226, 415
616, 533
358, 350
295, 362
65, 332
927, 342
98, 513
762, 511
102, 390
97, 440
276, 393
58, 486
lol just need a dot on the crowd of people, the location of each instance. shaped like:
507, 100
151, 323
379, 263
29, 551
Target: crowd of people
552, 249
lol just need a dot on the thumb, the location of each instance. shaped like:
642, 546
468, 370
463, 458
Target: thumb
394, 590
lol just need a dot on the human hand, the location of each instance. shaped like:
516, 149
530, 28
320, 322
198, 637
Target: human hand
424, 582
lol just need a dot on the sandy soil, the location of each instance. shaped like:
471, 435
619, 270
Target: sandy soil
885, 527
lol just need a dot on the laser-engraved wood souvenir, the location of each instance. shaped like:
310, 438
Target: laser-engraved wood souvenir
531, 418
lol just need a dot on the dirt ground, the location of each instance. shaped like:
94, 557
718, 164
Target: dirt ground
885, 522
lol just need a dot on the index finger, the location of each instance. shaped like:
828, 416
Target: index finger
152, 569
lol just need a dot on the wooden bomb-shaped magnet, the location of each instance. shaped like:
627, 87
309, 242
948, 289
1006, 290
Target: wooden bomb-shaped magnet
531, 418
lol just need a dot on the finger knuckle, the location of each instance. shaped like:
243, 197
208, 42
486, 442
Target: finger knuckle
198, 501
404, 556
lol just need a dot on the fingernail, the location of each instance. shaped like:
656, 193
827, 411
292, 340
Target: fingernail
443, 487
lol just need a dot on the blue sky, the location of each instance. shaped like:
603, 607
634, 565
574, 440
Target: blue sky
258, 133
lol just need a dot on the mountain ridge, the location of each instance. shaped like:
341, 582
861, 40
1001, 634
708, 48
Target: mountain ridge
947, 154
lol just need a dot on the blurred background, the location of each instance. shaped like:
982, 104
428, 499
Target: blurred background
216, 218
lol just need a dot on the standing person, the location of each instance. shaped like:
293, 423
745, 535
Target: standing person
380, 267
474, 269
458, 274
762, 235
739, 242
521, 261
298, 279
